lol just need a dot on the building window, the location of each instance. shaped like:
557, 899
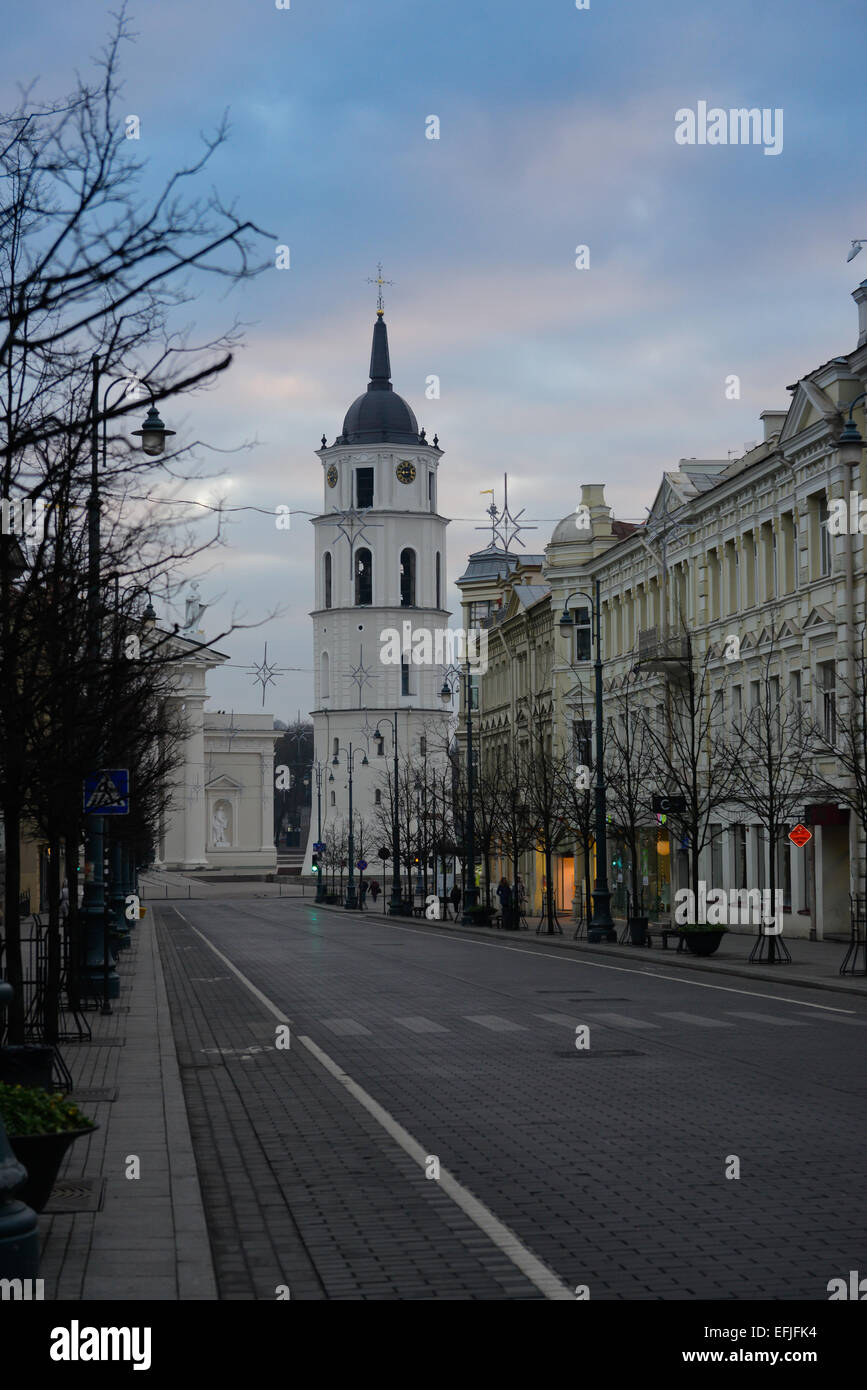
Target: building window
775, 563
582, 634
407, 578
380, 745
796, 689
474, 692
336, 749
377, 797
716, 864
431, 495
332, 799
828, 686
327, 564
737, 706
324, 677
741, 855
480, 612
437, 573
422, 746
363, 577
824, 539
404, 676
364, 487
582, 742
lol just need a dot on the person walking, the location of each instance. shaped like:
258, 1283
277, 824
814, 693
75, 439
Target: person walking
374, 891
504, 893
362, 893
455, 899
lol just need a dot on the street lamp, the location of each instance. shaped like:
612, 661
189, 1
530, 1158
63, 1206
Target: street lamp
318, 769
470, 894
394, 905
351, 895
601, 926
153, 436
850, 443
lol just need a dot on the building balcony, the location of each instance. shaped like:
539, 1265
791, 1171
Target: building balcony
658, 652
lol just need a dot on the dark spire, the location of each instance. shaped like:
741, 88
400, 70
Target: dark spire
380, 365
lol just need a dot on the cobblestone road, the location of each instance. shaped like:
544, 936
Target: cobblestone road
607, 1165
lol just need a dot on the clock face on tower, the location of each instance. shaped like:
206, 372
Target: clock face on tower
405, 471
331, 475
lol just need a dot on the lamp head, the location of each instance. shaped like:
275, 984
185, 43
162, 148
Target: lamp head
446, 693
153, 433
855, 248
566, 623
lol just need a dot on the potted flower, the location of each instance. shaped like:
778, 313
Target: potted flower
40, 1127
702, 938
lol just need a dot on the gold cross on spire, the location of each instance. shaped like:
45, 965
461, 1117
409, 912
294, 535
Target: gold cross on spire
380, 282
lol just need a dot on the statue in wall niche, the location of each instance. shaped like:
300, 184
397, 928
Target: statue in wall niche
220, 825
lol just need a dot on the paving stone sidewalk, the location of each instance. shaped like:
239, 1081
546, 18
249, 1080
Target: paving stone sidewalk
149, 1239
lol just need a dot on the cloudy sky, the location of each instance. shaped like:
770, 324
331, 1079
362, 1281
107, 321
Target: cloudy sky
556, 130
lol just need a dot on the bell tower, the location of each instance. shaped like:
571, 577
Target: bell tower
380, 557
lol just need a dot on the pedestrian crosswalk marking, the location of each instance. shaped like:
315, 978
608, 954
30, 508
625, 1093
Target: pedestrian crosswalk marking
621, 1020
346, 1027
495, 1023
558, 1018
421, 1025
698, 1019
767, 1018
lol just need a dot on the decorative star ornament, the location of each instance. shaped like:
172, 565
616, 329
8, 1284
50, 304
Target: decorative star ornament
361, 674
504, 526
351, 524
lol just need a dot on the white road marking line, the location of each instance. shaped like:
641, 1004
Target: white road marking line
421, 1025
263, 998
561, 1018
858, 1022
621, 969
544, 1279
767, 1018
694, 1018
495, 1023
346, 1028
622, 1020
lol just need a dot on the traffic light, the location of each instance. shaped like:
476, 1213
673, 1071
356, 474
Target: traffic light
314, 865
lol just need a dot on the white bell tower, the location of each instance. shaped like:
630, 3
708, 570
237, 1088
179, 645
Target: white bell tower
380, 563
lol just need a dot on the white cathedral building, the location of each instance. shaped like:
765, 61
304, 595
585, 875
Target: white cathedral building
380, 546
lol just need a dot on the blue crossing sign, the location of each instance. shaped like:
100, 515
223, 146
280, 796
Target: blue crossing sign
106, 793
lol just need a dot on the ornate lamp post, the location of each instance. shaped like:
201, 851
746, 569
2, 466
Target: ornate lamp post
470, 893
601, 927
153, 437
351, 895
318, 769
394, 905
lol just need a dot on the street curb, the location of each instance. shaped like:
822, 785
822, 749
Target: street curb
650, 954
195, 1266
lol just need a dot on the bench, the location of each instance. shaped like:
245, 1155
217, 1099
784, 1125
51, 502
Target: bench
665, 933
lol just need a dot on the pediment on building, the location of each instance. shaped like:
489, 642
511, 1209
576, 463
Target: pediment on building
222, 783
789, 629
748, 642
819, 617
810, 404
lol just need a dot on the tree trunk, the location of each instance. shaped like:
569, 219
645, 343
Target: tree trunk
11, 961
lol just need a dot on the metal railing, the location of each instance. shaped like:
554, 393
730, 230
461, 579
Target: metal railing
855, 959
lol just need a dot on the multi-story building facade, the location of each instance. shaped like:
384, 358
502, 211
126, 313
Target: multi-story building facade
732, 549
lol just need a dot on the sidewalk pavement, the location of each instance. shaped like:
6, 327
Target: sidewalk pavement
149, 1239
815, 964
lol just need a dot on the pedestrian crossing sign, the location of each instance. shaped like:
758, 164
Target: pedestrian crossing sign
106, 793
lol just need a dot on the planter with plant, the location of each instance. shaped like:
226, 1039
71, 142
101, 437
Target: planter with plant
702, 938
40, 1128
